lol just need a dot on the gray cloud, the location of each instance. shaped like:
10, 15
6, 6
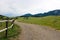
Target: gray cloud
19, 7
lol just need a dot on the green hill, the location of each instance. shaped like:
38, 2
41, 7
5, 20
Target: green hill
5, 17
2, 17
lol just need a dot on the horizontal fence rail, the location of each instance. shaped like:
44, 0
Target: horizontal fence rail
10, 26
6, 29
3, 20
3, 30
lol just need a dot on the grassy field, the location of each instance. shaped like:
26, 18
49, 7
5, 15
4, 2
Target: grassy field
52, 21
11, 32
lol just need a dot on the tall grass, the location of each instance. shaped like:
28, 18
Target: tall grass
11, 32
52, 21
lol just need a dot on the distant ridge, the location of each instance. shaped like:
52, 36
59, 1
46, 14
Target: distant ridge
3, 17
28, 14
50, 13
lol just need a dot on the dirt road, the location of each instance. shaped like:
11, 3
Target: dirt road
37, 32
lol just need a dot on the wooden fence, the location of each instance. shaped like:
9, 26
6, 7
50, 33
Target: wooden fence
6, 28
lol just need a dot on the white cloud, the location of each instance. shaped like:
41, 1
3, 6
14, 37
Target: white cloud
19, 7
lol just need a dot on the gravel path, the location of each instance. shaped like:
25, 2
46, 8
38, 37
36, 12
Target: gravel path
37, 32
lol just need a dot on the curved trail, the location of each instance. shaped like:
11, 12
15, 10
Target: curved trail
36, 32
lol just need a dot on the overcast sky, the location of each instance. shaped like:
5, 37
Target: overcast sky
19, 7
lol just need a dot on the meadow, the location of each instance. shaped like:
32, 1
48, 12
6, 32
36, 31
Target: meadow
51, 21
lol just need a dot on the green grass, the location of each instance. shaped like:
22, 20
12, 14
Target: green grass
52, 21
11, 32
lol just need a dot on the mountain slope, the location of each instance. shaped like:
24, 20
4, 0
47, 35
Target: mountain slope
50, 13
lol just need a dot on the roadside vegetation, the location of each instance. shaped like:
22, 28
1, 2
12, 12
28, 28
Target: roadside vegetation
12, 33
51, 21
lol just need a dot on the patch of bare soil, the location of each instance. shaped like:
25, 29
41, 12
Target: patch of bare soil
36, 32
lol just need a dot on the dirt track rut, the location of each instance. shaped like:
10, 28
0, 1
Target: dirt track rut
37, 32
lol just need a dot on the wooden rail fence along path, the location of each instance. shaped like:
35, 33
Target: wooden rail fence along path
6, 29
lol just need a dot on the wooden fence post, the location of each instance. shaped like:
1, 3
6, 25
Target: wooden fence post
7, 28
0, 24
13, 23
